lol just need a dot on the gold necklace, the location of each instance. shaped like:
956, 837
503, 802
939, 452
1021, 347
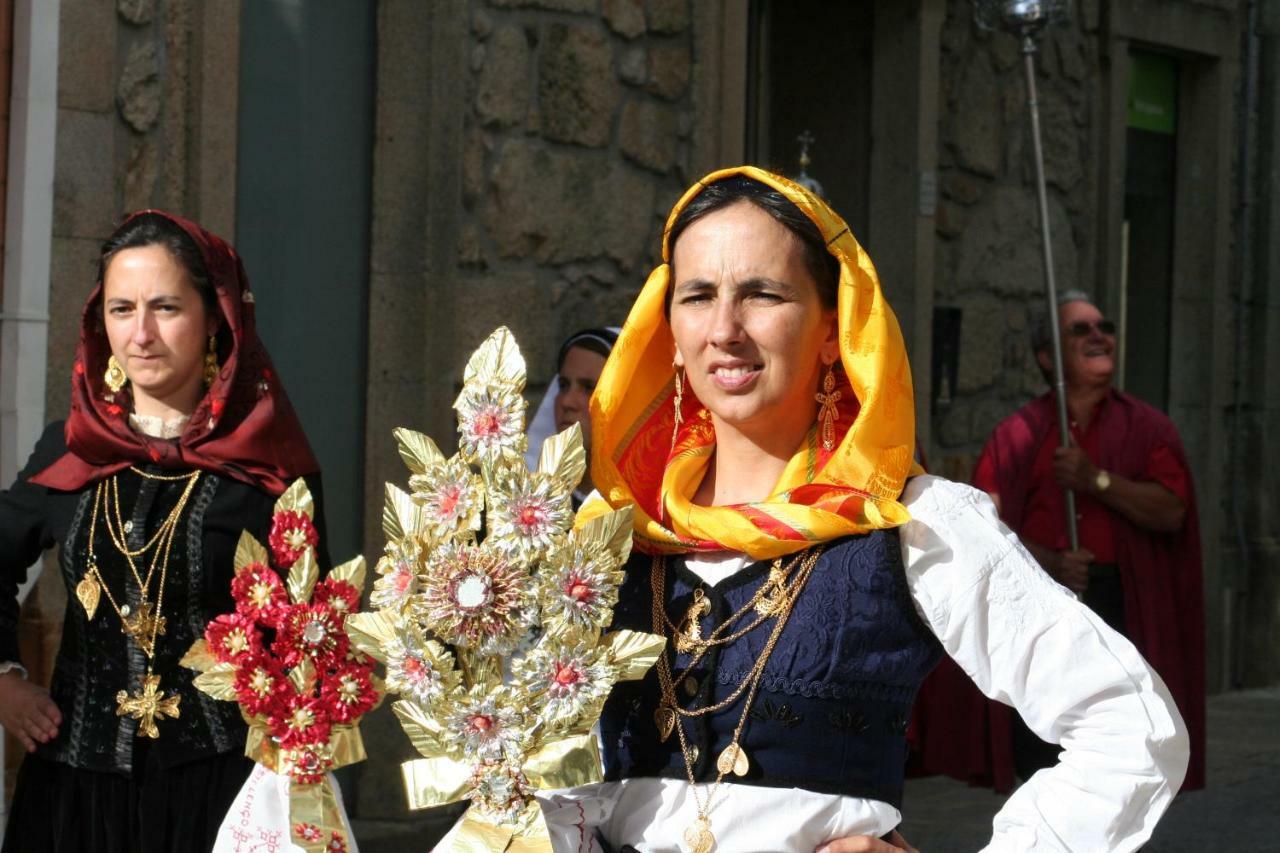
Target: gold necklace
698, 836
143, 625
766, 601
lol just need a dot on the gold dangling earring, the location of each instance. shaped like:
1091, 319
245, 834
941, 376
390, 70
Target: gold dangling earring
827, 412
211, 362
115, 377
679, 404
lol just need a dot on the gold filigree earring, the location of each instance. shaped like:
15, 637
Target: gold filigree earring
679, 404
115, 377
827, 412
211, 362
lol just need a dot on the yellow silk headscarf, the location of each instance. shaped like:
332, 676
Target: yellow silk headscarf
821, 495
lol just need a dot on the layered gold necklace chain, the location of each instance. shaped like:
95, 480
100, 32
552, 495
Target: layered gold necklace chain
780, 592
144, 624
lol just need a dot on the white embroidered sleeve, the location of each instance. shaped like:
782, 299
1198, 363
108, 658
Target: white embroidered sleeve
1027, 642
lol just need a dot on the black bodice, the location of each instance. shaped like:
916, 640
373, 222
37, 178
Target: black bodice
835, 698
95, 659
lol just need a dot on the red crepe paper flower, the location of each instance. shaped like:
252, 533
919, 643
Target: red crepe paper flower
260, 684
311, 631
307, 831
231, 635
303, 723
348, 693
292, 533
307, 764
259, 594
339, 595
337, 844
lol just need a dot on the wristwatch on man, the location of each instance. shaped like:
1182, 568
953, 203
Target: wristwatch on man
1102, 482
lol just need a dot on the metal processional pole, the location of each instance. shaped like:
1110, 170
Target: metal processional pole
1026, 19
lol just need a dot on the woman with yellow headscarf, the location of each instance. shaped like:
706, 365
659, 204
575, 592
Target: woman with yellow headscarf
757, 413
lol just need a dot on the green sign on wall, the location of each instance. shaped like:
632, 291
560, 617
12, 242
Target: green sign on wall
1153, 92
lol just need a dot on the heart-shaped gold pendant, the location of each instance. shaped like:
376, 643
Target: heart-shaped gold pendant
665, 719
89, 593
733, 760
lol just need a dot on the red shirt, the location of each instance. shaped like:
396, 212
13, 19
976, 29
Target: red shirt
1043, 523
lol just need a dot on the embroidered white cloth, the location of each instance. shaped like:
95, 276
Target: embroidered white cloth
258, 820
1025, 641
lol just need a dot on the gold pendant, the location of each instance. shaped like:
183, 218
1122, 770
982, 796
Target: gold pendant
90, 593
143, 627
698, 837
733, 760
147, 705
774, 593
665, 719
689, 634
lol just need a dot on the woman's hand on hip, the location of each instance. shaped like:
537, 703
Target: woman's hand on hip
27, 711
868, 844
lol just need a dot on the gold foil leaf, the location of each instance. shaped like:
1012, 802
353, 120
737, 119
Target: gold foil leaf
435, 781
346, 746
315, 806
613, 530
249, 551
352, 571
423, 730
564, 458
565, 763
302, 578
198, 657
371, 633
259, 745
297, 498
497, 361
303, 676
401, 517
417, 450
634, 652
219, 681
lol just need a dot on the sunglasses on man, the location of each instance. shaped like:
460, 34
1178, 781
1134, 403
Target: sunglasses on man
1082, 328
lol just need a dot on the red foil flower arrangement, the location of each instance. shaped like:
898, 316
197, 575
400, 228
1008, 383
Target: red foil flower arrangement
285, 657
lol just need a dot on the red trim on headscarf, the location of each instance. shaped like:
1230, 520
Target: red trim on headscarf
244, 427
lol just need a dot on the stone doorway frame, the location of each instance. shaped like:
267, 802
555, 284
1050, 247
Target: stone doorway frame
904, 158
1206, 43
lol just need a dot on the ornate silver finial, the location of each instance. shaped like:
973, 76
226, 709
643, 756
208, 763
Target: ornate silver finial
1024, 18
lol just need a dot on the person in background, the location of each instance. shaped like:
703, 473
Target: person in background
578, 364
180, 436
1138, 561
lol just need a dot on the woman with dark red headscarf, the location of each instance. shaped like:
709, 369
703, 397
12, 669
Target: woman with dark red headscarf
179, 437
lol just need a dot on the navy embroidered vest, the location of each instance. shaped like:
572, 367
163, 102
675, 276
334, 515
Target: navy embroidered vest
835, 698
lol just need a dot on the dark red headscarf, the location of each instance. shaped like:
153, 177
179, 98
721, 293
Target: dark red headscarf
244, 427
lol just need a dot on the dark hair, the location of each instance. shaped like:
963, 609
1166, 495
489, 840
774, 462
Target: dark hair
822, 265
155, 229
599, 341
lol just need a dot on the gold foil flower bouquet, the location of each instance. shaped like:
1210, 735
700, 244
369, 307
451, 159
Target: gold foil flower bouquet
285, 657
491, 610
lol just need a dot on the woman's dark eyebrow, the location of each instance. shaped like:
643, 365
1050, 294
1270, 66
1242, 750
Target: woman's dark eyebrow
693, 283
770, 283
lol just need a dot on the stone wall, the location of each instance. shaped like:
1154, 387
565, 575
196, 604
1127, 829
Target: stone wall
989, 261
576, 144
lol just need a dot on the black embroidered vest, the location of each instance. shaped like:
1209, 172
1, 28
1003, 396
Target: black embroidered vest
834, 701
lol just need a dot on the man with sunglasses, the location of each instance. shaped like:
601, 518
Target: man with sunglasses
1138, 562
